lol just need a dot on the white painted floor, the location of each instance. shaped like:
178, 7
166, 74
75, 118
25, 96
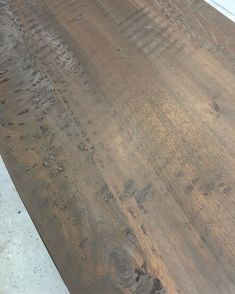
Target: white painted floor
25, 265
226, 7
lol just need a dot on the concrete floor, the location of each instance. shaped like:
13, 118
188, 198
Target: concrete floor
26, 267
227, 7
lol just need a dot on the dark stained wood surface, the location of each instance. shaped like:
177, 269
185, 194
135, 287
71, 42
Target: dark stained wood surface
117, 126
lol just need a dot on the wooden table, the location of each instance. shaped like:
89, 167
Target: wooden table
117, 126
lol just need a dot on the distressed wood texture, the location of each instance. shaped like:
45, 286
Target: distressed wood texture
117, 126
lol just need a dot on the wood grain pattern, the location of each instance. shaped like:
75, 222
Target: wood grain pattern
117, 126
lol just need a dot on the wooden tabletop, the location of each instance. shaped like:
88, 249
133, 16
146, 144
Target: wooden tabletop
117, 126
